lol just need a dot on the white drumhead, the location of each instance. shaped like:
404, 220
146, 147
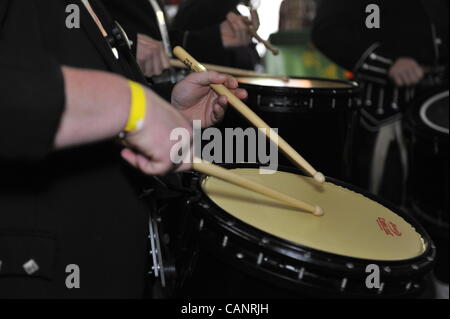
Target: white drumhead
353, 225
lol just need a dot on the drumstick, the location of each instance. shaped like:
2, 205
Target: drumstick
266, 43
230, 177
232, 71
252, 117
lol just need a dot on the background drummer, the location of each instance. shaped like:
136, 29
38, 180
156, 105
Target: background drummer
197, 22
219, 24
394, 64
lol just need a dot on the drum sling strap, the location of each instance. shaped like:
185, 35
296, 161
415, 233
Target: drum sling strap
116, 38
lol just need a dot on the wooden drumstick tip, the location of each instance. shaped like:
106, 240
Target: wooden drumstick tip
319, 211
320, 178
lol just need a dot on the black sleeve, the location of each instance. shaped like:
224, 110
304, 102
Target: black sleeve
199, 14
198, 22
136, 16
339, 33
194, 43
31, 103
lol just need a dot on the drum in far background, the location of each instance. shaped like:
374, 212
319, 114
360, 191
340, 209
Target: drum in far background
164, 83
427, 131
239, 244
317, 117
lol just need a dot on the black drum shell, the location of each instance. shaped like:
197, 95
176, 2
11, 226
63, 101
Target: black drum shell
234, 270
428, 179
319, 123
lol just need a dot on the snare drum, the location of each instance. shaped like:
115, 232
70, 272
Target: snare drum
246, 245
427, 131
316, 116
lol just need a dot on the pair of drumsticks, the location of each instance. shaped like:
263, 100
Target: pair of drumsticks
228, 176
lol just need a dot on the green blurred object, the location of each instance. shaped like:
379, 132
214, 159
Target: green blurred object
299, 57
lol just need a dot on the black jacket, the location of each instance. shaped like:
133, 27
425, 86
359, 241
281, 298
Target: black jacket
59, 208
409, 28
199, 23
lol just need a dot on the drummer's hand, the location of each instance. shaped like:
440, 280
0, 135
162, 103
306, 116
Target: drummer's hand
149, 149
197, 101
151, 56
406, 72
235, 31
254, 22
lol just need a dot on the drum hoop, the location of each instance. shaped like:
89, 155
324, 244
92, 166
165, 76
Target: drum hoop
353, 88
423, 113
318, 257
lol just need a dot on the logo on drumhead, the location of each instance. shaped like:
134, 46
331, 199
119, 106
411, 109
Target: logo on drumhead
389, 228
233, 145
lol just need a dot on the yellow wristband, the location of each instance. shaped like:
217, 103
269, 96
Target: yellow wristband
138, 108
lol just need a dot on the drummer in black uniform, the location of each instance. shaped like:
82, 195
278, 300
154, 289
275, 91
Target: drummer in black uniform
220, 24
71, 222
396, 49
196, 23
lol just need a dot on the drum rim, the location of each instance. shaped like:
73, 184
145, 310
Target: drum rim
415, 122
353, 88
297, 251
429, 103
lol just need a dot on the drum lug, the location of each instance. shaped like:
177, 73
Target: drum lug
409, 286
258, 99
350, 266
344, 284
264, 242
225, 242
240, 256
204, 205
289, 267
301, 274
260, 259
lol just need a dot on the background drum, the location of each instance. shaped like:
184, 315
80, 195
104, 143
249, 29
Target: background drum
164, 83
317, 117
427, 126
235, 243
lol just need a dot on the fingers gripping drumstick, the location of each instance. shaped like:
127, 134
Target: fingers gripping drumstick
252, 117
